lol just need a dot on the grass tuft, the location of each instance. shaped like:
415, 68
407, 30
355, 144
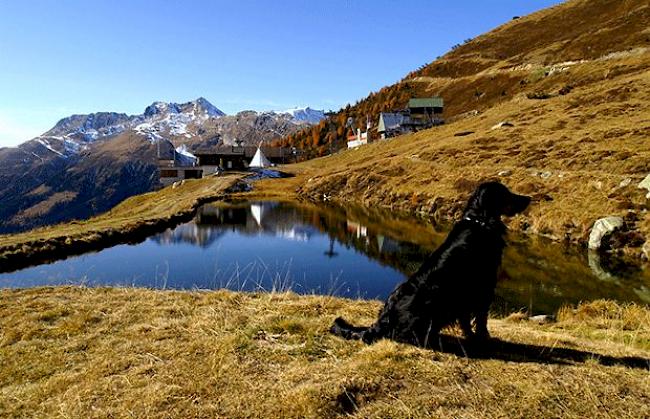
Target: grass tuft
100, 352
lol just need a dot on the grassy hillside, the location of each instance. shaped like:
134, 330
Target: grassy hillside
526, 56
77, 352
574, 83
39, 187
579, 155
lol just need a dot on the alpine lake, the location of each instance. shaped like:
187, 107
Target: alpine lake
351, 252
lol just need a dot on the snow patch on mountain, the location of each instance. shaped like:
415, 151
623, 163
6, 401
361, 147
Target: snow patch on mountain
305, 115
150, 131
47, 145
72, 147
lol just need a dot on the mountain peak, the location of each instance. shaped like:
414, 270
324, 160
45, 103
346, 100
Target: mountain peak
158, 107
306, 115
90, 126
202, 105
208, 107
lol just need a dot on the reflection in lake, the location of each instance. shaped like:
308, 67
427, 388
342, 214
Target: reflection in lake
351, 252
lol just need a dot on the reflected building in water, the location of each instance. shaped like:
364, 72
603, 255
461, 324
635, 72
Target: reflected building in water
532, 280
190, 233
344, 251
212, 222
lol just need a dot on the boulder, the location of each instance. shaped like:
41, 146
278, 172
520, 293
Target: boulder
542, 319
602, 228
645, 184
546, 175
503, 124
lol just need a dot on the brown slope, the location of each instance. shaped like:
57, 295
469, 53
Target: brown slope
508, 61
76, 187
579, 141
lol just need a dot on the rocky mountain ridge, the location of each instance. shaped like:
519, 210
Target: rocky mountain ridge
88, 163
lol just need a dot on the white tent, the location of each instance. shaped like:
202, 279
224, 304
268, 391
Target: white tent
259, 159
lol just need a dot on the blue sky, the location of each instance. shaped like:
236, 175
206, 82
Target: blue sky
72, 56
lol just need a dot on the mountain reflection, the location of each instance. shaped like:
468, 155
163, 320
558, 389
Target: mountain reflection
527, 271
348, 251
292, 223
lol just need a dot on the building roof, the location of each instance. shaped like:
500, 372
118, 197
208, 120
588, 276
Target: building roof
426, 102
245, 151
391, 120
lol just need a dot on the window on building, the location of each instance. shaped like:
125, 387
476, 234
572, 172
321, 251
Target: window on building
168, 173
193, 174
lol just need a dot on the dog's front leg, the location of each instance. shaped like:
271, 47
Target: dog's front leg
466, 326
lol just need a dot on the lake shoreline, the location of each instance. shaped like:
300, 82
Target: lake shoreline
537, 275
48, 244
121, 225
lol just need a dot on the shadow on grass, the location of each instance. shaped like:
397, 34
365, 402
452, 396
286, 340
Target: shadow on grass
522, 352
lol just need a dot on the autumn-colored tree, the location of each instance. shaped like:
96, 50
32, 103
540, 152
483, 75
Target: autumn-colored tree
331, 135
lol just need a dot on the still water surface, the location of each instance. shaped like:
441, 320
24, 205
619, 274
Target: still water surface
350, 252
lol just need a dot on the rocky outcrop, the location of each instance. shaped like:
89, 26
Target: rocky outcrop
603, 228
645, 184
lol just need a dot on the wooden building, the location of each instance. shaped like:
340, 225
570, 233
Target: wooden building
426, 111
422, 113
238, 158
211, 160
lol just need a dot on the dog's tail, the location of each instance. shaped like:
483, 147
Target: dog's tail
347, 331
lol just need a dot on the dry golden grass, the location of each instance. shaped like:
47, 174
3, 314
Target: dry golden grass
135, 216
580, 155
80, 352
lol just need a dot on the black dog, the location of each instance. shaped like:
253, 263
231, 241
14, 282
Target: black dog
456, 283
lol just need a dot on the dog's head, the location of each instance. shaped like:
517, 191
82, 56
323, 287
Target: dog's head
492, 199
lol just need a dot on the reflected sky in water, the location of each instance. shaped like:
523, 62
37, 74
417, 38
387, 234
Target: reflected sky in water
349, 252
264, 246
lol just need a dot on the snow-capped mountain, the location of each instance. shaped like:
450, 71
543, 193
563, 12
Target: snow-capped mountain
158, 121
189, 123
88, 163
306, 115
173, 119
90, 127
